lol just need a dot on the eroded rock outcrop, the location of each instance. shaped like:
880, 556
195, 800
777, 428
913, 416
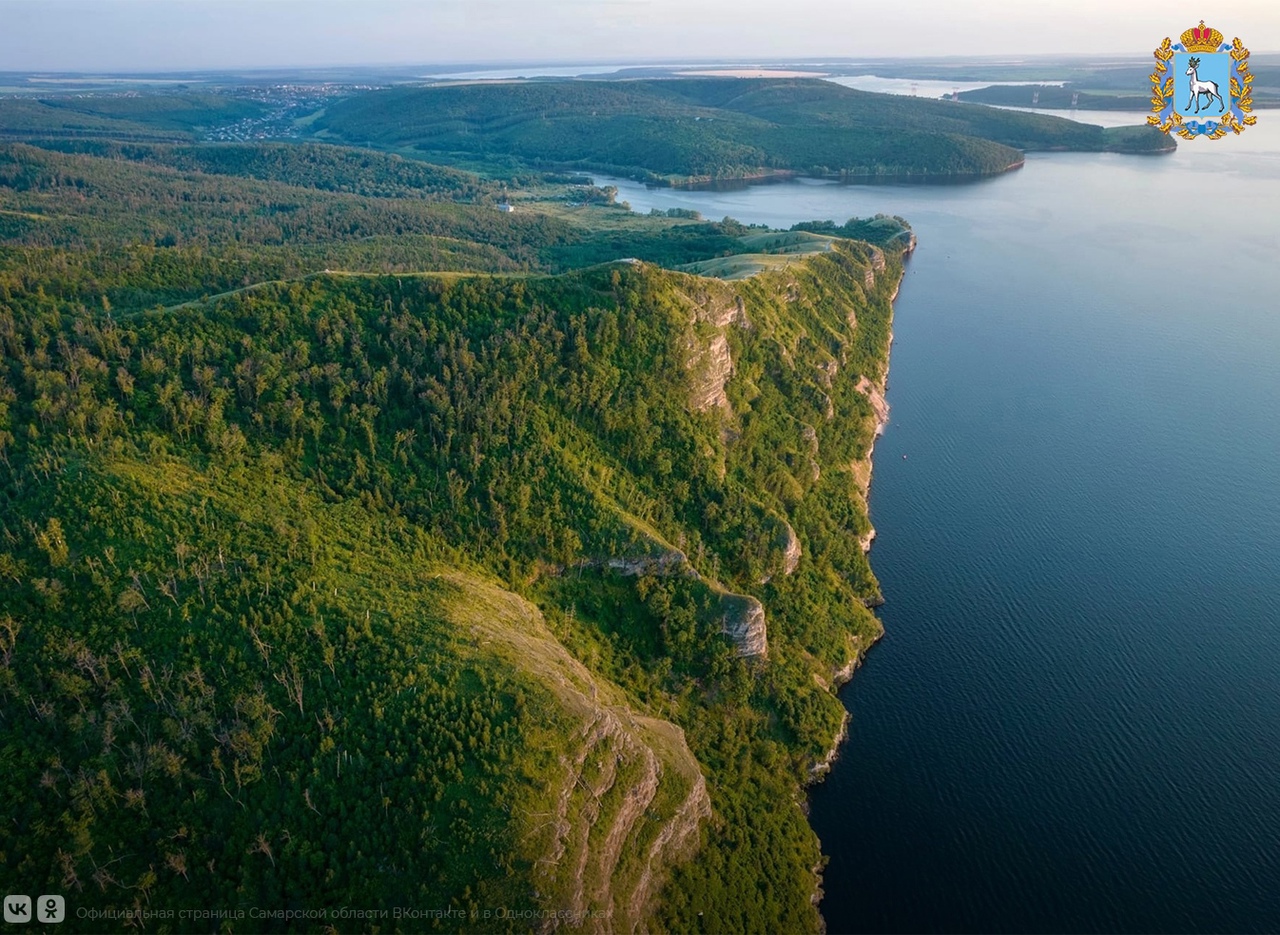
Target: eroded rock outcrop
629, 793
790, 549
810, 437
612, 779
709, 359
710, 366
827, 371
875, 395
743, 621
661, 565
784, 551
862, 469
720, 307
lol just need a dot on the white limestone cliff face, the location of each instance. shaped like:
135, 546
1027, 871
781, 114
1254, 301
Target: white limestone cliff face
880, 408
810, 436
744, 623
723, 313
662, 565
875, 395
828, 407
827, 371
877, 266
710, 366
719, 306
709, 359
790, 549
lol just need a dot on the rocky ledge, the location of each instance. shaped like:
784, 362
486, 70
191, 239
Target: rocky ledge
743, 621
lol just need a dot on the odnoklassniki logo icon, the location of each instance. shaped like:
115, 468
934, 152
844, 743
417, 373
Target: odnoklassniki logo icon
51, 909
1202, 85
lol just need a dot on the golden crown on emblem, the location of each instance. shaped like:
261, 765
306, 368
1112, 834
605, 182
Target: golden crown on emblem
1201, 39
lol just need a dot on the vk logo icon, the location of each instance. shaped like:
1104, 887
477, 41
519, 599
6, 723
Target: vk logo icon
17, 908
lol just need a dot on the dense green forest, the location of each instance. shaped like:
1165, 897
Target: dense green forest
174, 115
663, 130
328, 168
1055, 96
365, 546
677, 129
148, 228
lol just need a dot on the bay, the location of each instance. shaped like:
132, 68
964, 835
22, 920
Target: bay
1073, 720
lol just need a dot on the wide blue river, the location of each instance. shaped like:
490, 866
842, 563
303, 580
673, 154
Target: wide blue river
1073, 721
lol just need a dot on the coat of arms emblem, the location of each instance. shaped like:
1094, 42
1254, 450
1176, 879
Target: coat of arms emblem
1202, 85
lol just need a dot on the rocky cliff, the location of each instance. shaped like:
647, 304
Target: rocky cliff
743, 620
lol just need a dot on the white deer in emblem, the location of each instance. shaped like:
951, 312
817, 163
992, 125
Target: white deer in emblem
1200, 88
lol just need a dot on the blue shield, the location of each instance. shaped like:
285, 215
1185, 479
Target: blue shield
1206, 94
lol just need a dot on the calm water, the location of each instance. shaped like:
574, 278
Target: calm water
920, 87
1073, 721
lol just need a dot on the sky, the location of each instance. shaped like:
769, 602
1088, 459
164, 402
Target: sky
160, 35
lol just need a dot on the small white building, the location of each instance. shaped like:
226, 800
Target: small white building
506, 208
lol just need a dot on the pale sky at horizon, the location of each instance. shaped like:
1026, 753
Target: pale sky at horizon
160, 35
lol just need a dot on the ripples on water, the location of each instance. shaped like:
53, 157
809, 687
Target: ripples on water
1073, 722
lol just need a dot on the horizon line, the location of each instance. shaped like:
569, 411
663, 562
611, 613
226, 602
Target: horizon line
474, 65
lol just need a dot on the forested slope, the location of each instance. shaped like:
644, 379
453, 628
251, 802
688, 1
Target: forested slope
451, 590
147, 225
168, 115
677, 129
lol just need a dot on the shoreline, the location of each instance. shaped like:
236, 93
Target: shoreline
842, 676
848, 177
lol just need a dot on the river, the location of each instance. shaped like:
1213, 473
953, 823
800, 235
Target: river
1073, 720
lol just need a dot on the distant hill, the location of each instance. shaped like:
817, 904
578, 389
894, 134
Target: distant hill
150, 116
1055, 96
696, 128
1061, 98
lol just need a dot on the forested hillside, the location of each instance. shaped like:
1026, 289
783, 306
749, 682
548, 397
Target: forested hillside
512, 586
328, 168
677, 129
664, 130
173, 115
147, 225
